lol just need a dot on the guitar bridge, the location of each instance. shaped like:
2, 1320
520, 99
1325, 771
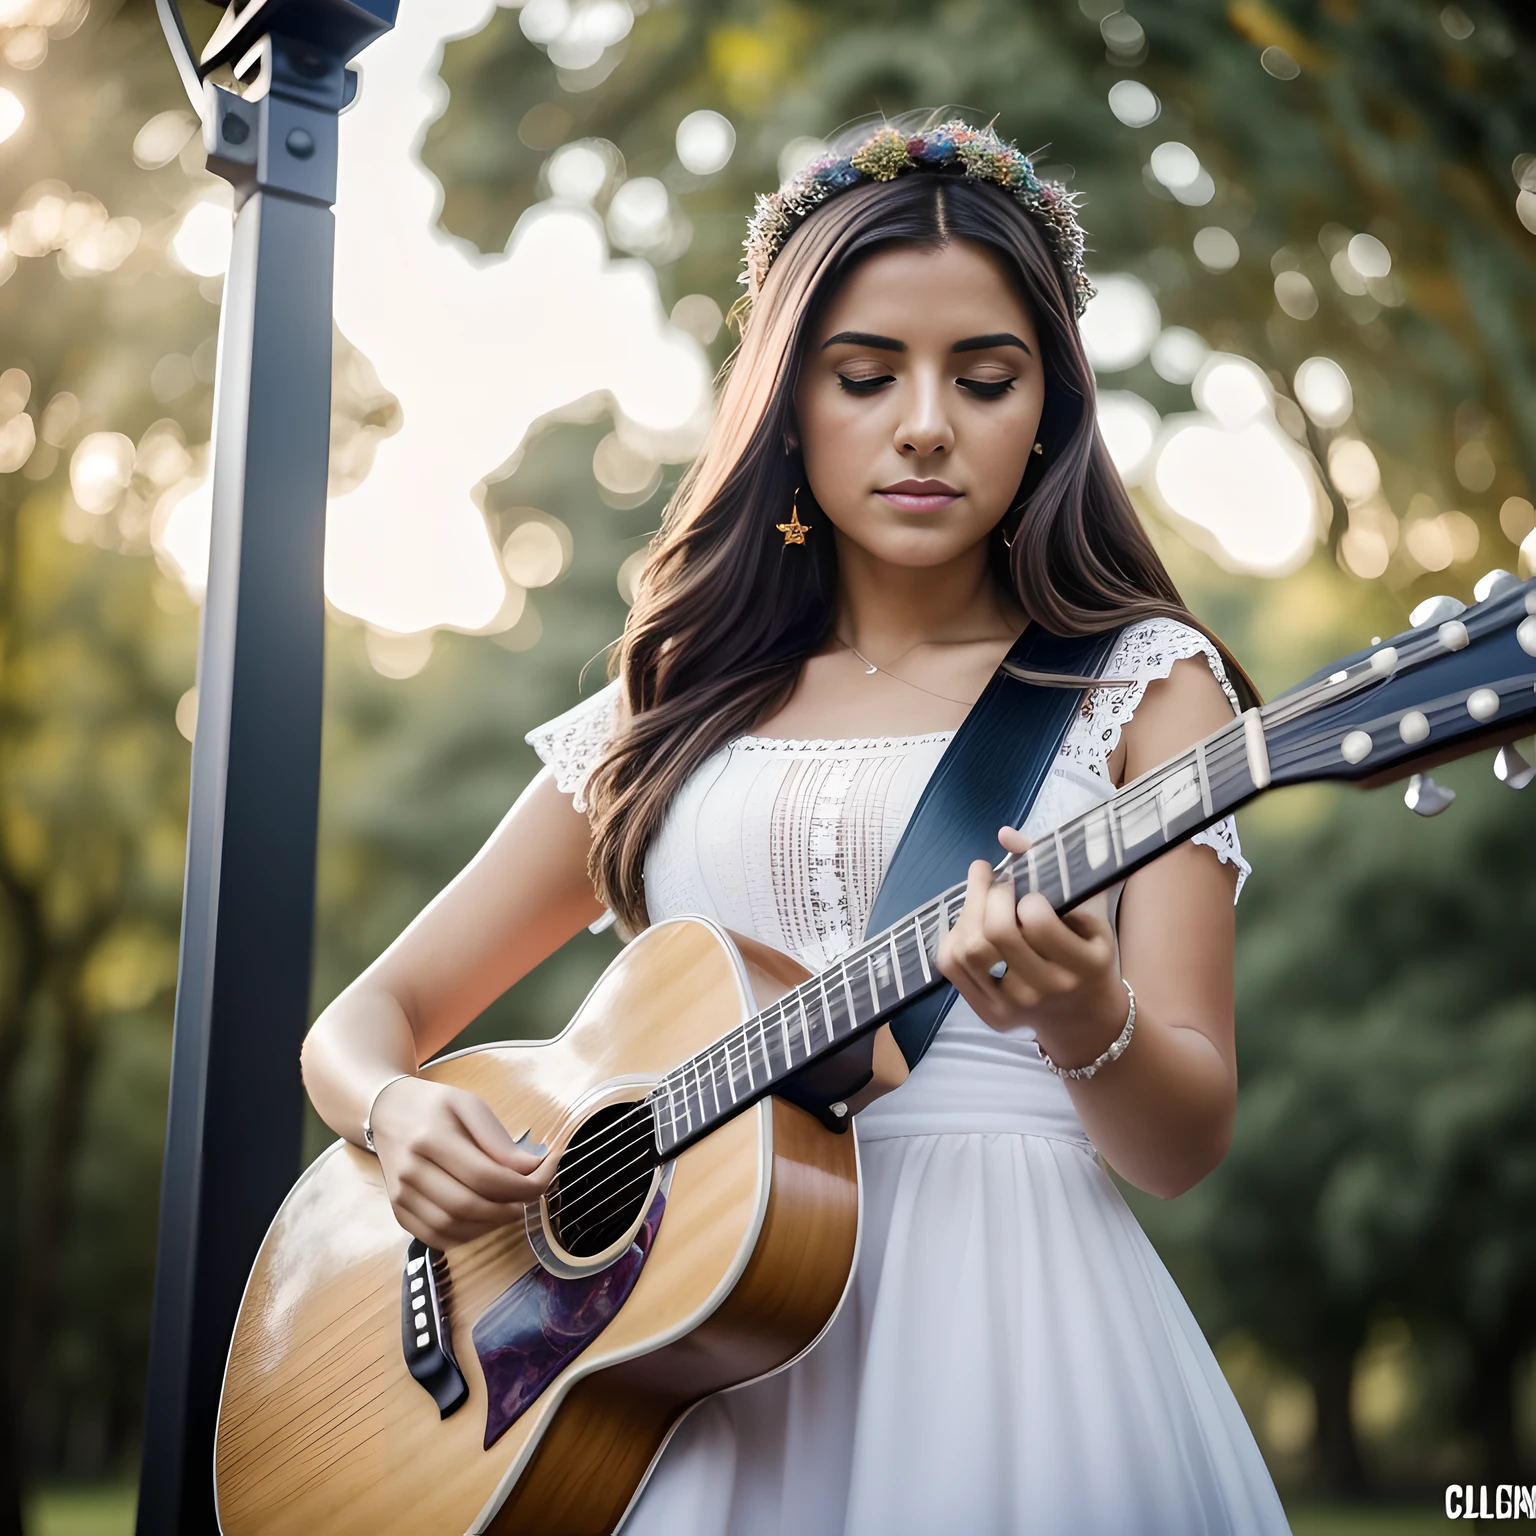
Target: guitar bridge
425, 1332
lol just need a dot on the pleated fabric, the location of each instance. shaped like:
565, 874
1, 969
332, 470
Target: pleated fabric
1012, 1358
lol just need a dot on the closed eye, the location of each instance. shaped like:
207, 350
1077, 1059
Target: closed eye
987, 389
865, 386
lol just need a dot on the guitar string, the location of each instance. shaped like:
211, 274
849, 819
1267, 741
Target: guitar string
1223, 746
1124, 804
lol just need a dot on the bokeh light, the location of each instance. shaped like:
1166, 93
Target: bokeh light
579, 172
1129, 426
1178, 354
536, 551
1120, 323
798, 153
1324, 391
162, 138
1232, 389
1216, 248
99, 471
12, 113
551, 321
1133, 103
203, 238
705, 141
1250, 489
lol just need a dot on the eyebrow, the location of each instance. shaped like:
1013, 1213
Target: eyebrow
891, 344
864, 339
996, 339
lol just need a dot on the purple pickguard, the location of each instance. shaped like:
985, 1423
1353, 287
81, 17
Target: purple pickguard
540, 1323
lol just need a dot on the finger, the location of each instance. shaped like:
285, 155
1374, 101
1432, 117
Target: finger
1013, 840
457, 1203
463, 1161
965, 940
428, 1221
1081, 948
490, 1135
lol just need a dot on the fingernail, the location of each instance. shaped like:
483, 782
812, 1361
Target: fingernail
537, 1148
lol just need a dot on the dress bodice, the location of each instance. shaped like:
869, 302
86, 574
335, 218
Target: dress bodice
787, 841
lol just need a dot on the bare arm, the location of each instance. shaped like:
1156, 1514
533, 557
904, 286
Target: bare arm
1162, 1114
451, 1169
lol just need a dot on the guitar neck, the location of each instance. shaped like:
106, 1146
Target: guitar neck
895, 967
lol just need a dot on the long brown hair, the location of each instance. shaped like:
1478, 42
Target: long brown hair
725, 613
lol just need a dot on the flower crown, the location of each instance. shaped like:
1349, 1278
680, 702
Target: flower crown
952, 147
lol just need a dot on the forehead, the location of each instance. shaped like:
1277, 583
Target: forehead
917, 293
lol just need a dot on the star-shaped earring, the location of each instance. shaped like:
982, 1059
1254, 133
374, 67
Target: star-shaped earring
794, 530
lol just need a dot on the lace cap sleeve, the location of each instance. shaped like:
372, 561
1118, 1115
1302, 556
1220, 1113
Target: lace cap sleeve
1147, 651
572, 743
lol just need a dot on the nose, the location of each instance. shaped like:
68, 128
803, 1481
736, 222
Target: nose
924, 428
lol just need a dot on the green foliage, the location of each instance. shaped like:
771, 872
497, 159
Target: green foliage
1382, 1164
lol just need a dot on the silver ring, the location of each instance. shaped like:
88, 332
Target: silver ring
998, 971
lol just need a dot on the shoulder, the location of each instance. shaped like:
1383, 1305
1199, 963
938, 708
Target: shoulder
572, 743
1147, 652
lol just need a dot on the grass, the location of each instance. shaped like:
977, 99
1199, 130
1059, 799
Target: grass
82, 1512
109, 1512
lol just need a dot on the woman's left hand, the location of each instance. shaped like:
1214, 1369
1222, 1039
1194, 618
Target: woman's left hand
1062, 977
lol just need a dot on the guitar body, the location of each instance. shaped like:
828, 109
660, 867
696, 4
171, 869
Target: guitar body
322, 1429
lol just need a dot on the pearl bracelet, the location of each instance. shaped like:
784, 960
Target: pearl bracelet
1115, 1051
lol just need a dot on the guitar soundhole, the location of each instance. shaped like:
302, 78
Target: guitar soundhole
604, 1180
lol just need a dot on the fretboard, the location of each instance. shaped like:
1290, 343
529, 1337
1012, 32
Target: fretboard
875, 980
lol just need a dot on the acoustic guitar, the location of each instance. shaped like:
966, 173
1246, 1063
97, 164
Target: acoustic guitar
700, 1231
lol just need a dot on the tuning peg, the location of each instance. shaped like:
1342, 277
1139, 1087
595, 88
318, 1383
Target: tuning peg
1510, 767
1493, 583
1426, 798
1436, 610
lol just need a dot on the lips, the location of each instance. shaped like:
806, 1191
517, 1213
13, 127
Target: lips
920, 495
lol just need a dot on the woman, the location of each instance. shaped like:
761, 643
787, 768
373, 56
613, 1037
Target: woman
904, 471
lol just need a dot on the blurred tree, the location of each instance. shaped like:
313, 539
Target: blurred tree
1316, 119
1400, 118
1384, 1161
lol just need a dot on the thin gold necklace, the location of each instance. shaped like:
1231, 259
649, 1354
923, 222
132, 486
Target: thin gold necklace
876, 667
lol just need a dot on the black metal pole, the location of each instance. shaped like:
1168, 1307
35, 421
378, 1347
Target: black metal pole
242, 997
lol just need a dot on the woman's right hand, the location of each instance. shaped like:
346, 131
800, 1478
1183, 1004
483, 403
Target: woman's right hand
451, 1170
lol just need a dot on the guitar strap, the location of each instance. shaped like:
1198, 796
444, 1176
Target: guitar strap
989, 777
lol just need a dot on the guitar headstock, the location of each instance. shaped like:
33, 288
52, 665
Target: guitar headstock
1461, 680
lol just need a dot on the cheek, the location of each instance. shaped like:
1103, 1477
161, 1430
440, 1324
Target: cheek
838, 438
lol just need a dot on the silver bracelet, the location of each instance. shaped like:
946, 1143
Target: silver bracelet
368, 1118
1115, 1051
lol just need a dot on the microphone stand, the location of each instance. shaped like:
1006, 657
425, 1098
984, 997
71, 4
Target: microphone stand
235, 1117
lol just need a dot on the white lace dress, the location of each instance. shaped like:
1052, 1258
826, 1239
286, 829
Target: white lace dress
1012, 1356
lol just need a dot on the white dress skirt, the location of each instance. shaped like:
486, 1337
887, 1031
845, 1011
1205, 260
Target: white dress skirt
1012, 1356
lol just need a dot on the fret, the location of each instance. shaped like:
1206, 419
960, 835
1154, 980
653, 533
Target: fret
714, 1075
901, 983
1032, 867
1096, 838
746, 1050
805, 1023
826, 1008
789, 1059
853, 1012
874, 983
1203, 778
1112, 815
1061, 868
922, 944
672, 1103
